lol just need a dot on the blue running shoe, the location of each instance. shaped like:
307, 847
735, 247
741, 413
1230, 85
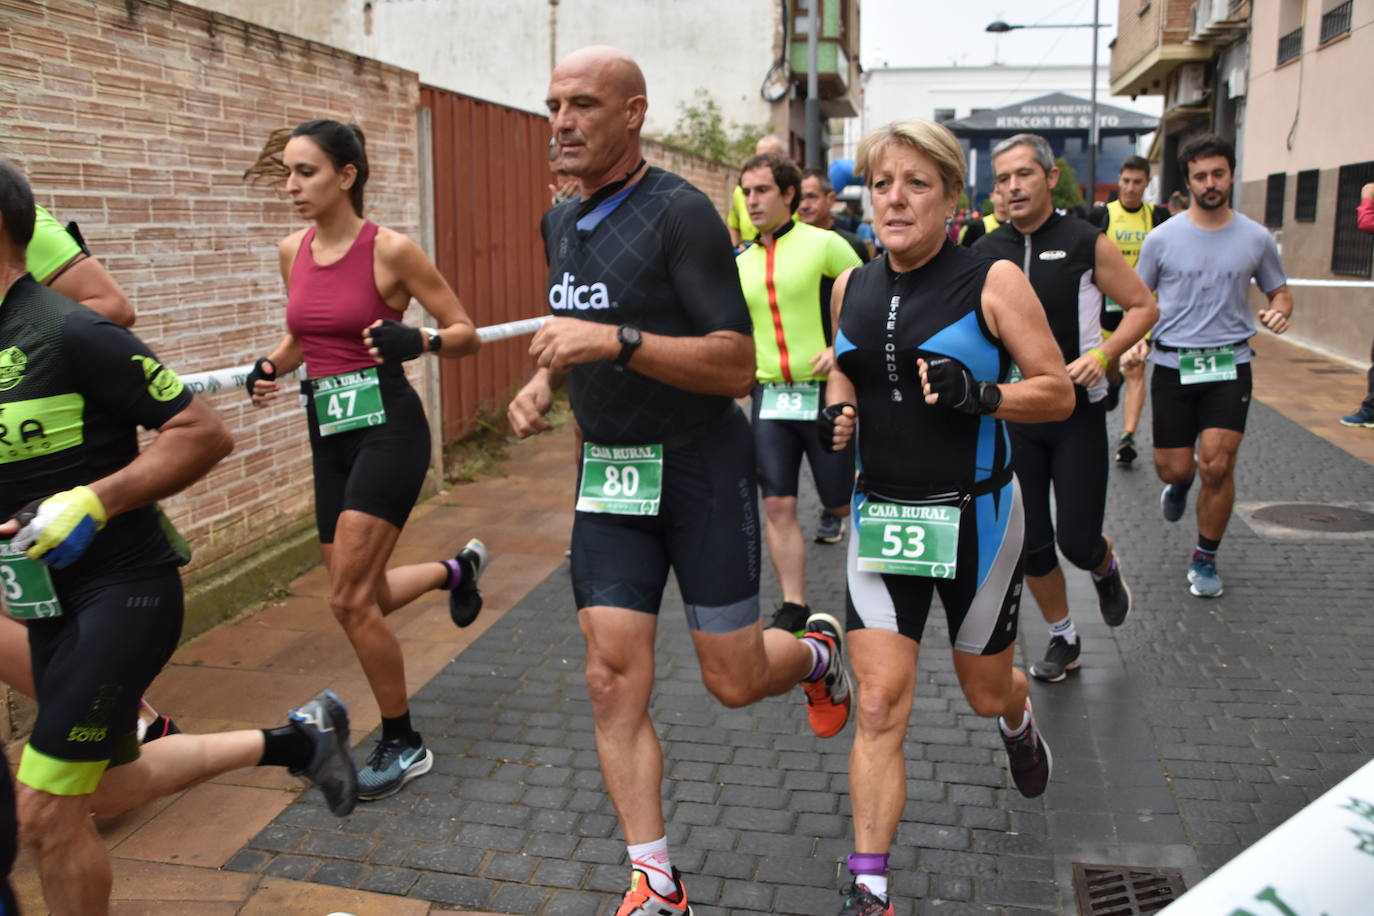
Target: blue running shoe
324, 721
390, 766
1364, 417
1203, 579
1173, 499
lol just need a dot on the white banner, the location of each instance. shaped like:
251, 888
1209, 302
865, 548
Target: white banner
237, 376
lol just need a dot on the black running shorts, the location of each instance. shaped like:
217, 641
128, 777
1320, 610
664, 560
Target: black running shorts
981, 603
377, 470
707, 531
91, 667
780, 445
1181, 412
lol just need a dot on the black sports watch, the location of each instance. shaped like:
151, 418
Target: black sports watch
630, 339
989, 397
434, 341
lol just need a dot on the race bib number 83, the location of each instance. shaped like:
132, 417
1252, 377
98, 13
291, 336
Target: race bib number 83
790, 401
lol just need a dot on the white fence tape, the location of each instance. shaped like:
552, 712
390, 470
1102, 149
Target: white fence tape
237, 376
1319, 861
1332, 284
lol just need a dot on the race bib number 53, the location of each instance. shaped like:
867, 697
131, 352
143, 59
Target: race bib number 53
908, 540
621, 479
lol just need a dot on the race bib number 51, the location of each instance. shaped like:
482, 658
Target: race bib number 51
351, 400
26, 585
621, 479
908, 540
1212, 364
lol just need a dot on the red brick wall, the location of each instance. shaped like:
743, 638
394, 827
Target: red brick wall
137, 120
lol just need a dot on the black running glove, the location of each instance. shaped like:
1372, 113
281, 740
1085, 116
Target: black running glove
262, 369
953, 385
825, 422
396, 342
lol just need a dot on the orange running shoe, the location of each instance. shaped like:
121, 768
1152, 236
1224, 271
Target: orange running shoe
827, 697
642, 900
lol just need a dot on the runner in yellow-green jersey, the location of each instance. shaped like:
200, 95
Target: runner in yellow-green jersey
782, 275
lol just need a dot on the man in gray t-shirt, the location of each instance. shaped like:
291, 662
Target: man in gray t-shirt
1200, 264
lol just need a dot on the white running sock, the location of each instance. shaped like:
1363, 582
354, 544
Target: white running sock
1066, 629
652, 859
876, 884
1008, 731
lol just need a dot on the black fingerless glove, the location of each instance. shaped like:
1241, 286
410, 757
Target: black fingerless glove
954, 385
825, 422
397, 342
262, 369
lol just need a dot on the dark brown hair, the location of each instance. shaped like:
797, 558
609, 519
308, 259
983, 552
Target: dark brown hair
343, 144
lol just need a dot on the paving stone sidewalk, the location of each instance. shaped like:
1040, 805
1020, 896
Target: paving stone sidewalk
1190, 732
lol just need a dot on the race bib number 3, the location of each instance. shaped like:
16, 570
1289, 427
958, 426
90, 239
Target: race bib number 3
621, 479
26, 586
1214, 364
351, 400
908, 540
790, 401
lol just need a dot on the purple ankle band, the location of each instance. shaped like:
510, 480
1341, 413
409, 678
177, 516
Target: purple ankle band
867, 863
455, 573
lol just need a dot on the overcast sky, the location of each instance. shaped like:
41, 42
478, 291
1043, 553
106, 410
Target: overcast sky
930, 33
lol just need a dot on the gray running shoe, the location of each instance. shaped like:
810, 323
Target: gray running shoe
390, 766
324, 721
830, 529
1203, 580
465, 601
1173, 499
1060, 658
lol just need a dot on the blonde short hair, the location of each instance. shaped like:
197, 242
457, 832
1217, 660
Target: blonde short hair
933, 140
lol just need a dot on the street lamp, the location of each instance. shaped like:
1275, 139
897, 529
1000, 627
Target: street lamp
999, 27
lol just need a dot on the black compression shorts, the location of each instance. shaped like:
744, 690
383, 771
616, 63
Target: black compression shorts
377, 470
1069, 456
1180, 412
779, 446
91, 667
981, 603
707, 530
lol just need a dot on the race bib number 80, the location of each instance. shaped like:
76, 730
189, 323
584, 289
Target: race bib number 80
621, 479
908, 540
26, 585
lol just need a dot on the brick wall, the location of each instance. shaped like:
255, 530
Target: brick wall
137, 120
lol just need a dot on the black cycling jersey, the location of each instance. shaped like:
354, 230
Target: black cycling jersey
1059, 259
74, 388
655, 256
935, 310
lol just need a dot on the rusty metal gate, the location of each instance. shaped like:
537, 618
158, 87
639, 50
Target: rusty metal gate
491, 179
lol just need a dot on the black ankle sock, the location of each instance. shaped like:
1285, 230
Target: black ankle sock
399, 729
285, 747
1208, 544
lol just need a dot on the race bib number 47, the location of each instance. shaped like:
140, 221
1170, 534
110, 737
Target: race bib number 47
621, 479
26, 585
908, 540
351, 400
1213, 364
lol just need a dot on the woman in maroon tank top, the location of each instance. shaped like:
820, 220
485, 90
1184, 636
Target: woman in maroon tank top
348, 283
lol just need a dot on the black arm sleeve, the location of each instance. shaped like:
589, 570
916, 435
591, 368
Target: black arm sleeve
1099, 218
702, 266
1161, 214
119, 373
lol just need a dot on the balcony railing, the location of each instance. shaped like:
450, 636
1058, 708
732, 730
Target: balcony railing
1335, 21
1290, 45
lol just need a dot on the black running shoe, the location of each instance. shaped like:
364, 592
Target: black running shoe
1173, 499
1125, 450
465, 601
1028, 759
1113, 597
790, 617
860, 901
1060, 658
160, 727
324, 721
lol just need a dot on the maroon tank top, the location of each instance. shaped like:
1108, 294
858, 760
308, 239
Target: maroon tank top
328, 306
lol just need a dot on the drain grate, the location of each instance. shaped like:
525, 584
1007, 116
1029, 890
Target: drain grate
1316, 517
1124, 890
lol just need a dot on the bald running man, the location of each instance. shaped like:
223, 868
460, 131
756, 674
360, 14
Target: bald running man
652, 334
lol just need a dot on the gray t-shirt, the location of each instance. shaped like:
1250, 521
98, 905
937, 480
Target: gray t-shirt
1202, 278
